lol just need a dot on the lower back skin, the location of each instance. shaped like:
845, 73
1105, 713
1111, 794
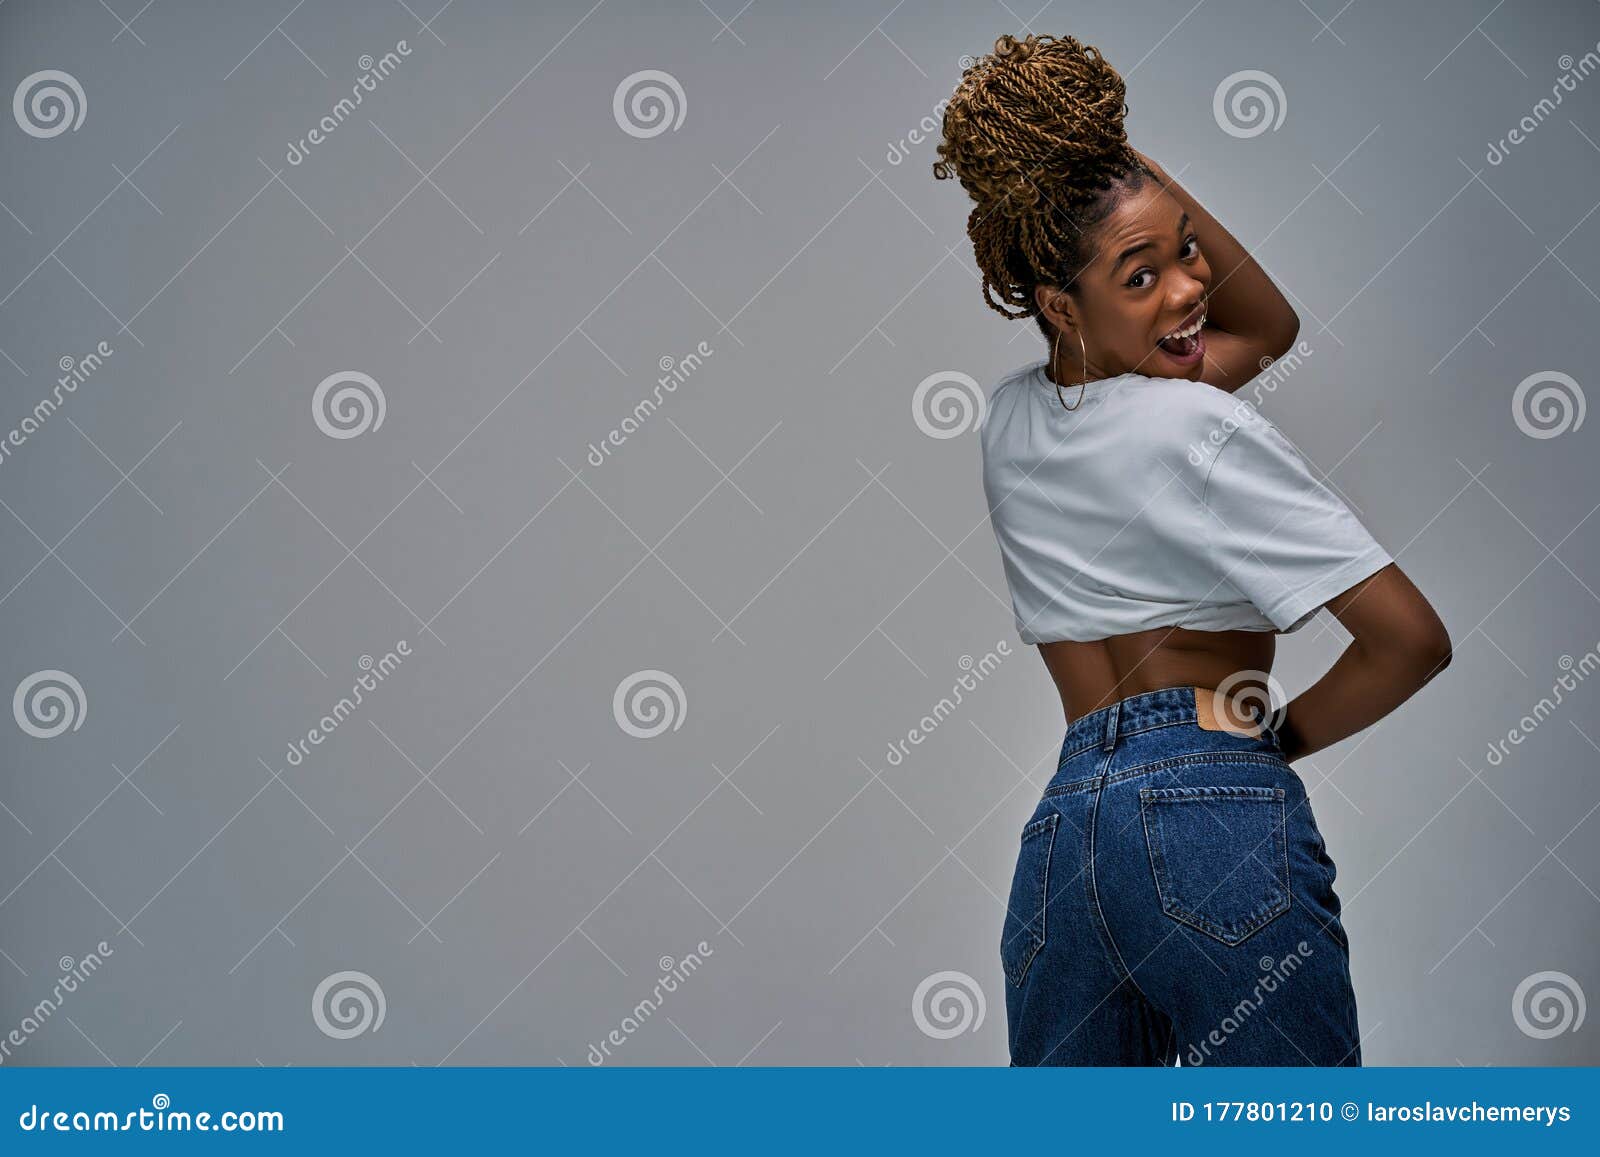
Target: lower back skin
1096, 674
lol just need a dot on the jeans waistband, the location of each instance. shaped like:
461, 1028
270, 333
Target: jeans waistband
1127, 716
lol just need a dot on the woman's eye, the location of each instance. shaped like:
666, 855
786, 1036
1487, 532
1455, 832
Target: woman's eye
1145, 277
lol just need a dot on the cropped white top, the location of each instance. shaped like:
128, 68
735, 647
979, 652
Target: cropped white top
1158, 502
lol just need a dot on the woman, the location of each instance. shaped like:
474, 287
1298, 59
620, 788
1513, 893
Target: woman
1173, 900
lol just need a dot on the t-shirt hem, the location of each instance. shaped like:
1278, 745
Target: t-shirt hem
1188, 619
1292, 612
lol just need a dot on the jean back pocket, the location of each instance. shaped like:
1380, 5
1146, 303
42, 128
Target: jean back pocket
1219, 855
1024, 931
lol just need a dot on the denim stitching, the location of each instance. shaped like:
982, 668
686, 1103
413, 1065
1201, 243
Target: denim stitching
1211, 791
1220, 757
1050, 822
1121, 733
1158, 862
1223, 758
1343, 937
1044, 892
1094, 887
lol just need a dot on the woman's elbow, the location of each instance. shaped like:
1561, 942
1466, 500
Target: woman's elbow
1283, 335
1415, 653
1431, 650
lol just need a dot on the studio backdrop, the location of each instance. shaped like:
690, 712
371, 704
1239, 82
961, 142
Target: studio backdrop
493, 565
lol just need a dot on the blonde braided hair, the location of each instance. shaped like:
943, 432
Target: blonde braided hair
1034, 134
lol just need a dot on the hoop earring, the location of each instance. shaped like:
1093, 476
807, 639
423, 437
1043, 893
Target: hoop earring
1083, 355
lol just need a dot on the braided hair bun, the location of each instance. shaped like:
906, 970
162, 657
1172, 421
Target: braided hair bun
1034, 133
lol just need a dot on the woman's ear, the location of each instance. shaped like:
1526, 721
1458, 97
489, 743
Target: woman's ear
1055, 304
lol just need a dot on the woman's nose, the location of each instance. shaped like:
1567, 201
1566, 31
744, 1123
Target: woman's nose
1188, 293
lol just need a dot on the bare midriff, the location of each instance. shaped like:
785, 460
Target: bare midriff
1093, 675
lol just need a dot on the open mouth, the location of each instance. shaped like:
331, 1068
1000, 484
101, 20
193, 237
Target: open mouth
1186, 344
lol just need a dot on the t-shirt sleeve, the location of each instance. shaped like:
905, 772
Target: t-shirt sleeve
1276, 532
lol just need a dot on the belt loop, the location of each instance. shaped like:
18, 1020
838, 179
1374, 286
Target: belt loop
1110, 739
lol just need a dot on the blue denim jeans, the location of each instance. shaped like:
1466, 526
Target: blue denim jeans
1173, 903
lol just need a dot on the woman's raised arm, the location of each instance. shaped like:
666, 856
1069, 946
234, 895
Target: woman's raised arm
1248, 319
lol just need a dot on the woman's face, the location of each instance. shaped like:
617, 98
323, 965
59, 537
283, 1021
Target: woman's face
1146, 282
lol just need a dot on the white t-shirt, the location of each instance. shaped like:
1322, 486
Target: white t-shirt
1158, 502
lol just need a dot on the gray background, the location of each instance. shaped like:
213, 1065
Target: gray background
482, 838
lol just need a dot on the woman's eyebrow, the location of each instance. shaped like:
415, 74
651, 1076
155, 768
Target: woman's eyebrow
1183, 223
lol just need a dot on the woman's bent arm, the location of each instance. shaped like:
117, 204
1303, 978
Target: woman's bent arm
1398, 645
1248, 318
